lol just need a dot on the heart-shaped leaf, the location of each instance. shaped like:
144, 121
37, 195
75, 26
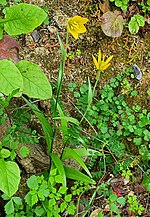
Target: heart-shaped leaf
112, 24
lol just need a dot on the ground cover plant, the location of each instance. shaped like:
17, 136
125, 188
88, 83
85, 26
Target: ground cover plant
106, 133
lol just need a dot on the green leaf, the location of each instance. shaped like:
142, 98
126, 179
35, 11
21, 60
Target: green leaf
74, 174
90, 93
148, 91
39, 211
3, 2
62, 190
78, 159
5, 153
133, 25
59, 165
9, 207
1, 30
68, 197
32, 182
47, 129
114, 208
140, 20
71, 209
63, 206
144, 121
23, 18
24, 151
17, 200
10, 78
82, 152
69, 119
9, 178
63, 51
34, 199
146, 183
35, 82
121, 200
28, 198
113, 197
137, 141
64, 124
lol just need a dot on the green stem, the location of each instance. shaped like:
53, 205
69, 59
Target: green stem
59, 85
97, 79
95, 85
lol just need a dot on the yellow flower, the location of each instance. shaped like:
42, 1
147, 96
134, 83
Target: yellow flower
101, 64
75, 25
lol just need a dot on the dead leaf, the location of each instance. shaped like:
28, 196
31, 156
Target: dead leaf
112, 23
96, 212
9, 48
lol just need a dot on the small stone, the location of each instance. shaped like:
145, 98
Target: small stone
137, 72
35, 36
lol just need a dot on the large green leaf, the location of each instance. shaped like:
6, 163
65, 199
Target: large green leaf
9, 177
77, 175
10, 78
59, 165
35, 82
23, 18
78, 159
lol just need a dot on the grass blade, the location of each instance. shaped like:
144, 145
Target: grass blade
78, 159
59, 165
77, 175
47, 129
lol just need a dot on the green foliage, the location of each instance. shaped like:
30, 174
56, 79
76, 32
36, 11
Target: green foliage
22, 76
123, 4
114, 202
3, 2
134, 206
51, 196
79, 188
145, 6
114, 120
10, 175
22, 19
136, 21
146, 181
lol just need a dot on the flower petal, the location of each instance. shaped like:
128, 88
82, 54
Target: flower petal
99, 56
73, 32
80, 20
105, 66
95, 62
81, 29
109, 59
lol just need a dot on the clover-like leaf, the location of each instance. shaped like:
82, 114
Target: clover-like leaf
112, 24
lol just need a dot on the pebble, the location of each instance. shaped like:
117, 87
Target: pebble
137, 72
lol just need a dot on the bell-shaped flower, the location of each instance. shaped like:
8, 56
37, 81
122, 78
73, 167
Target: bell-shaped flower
76, 26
